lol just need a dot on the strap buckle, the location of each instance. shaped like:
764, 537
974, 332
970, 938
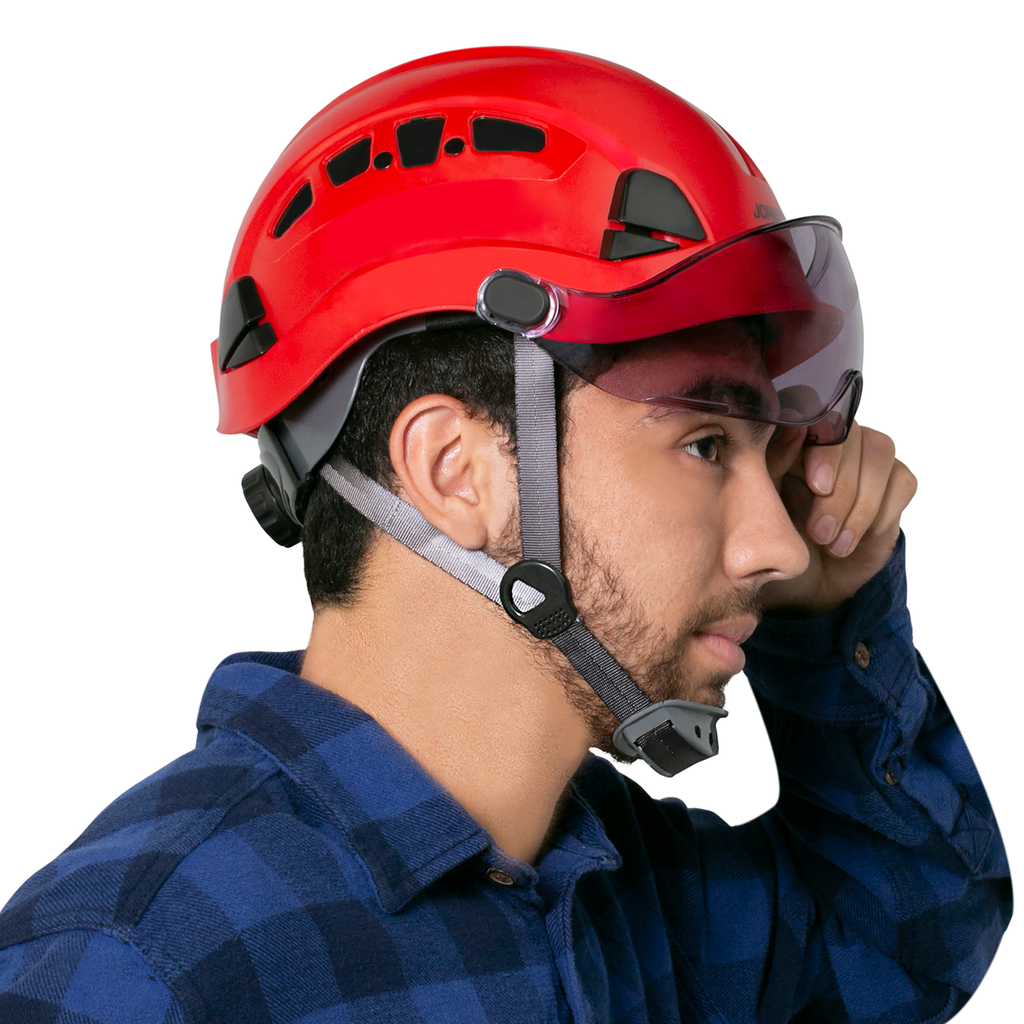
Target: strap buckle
555, 614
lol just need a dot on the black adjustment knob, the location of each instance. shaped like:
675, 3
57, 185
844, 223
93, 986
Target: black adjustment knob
265, 502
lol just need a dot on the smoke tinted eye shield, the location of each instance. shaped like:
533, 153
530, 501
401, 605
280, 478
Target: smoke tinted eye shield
765, 326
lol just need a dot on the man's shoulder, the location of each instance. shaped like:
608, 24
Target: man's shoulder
108, 877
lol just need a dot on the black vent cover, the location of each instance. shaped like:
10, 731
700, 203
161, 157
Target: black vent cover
625, 245
644, 202
301, 202
419, 141
241, 336
644, 199
498, 135
349, 162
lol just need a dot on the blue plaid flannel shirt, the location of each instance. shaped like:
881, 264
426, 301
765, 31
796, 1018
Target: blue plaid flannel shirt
300, 866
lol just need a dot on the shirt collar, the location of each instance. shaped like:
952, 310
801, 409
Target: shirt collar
406, 827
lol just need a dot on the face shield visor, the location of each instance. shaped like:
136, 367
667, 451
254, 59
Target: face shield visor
764, 327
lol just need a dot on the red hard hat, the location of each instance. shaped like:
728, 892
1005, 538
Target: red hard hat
408, 191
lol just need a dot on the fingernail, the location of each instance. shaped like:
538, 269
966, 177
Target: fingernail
825, 529
843, 543
823, 479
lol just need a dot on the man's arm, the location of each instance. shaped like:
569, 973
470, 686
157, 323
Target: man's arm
890, 874
85, 976
857, 724
875, 891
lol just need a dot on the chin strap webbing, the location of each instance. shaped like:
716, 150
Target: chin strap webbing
539, 521
402, 521
537, 454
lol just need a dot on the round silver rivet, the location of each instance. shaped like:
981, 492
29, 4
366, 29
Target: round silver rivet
501, 877
861, 656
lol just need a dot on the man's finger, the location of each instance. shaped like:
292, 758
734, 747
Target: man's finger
878, 456
828, 511
901, 488
821, 464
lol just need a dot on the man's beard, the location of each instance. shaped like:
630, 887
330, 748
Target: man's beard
654, 657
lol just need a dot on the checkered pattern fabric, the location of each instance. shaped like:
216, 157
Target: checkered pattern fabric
300, 866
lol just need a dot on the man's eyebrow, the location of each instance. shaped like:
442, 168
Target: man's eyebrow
717, 394
758, 429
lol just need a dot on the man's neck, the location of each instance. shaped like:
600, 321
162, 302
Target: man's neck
453, 680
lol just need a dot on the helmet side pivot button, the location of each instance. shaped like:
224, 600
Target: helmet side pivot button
513, 299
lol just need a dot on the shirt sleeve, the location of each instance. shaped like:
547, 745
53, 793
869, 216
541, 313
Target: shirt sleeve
86, 976
889, 882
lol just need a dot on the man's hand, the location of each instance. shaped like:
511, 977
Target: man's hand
846, 501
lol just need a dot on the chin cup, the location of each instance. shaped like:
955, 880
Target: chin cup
670, 736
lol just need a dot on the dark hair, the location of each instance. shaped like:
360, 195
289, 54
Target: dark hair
472, 364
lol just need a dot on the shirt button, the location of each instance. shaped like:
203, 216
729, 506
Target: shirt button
861, 656
890, 778
501, 877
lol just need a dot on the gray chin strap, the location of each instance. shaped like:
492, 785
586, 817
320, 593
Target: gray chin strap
670, 735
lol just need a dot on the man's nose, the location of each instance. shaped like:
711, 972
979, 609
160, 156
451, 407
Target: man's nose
761, 542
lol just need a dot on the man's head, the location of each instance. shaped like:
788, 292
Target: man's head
670, 519
609, 228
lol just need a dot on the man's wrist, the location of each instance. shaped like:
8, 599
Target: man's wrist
809, 664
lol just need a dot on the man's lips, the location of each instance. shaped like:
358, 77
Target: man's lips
737, 630
721, 640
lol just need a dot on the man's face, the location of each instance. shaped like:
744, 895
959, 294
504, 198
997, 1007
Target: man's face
671, 525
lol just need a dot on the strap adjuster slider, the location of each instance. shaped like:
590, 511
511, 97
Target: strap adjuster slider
555, 614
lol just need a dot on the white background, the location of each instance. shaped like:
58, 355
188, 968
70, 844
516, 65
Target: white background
135, 136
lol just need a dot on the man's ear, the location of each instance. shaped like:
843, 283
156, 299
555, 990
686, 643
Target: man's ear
452, 469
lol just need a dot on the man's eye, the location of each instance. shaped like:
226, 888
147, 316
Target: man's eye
706, 448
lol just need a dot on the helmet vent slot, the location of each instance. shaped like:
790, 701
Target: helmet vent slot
632, 242
643, 199
301, 202
351, 161
240, 312
419, 140
258, 341
499, 135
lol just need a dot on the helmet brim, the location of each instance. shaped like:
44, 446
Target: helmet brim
765, 326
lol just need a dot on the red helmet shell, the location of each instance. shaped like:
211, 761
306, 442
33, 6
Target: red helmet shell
395, 241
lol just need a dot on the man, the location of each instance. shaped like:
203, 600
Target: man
558, 404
